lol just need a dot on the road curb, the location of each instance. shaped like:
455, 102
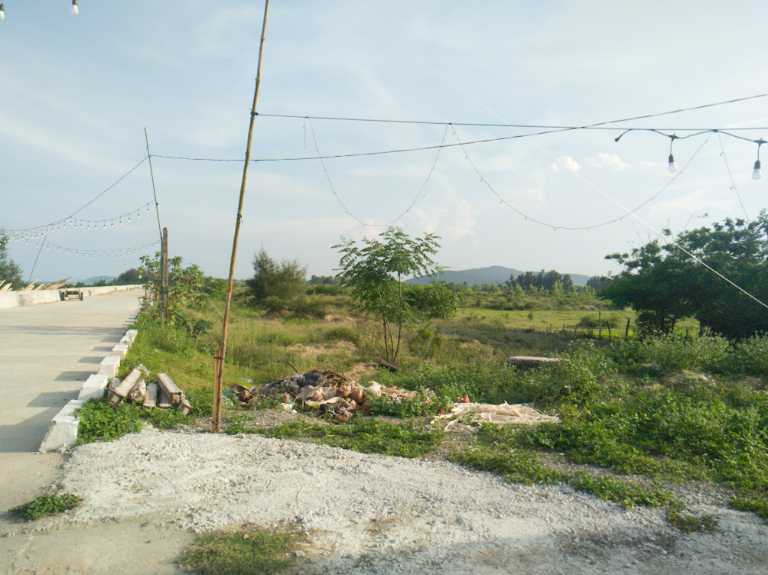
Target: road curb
62, 433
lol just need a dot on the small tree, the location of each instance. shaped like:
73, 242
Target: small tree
374, 272
184, 285
10, 271
284, 281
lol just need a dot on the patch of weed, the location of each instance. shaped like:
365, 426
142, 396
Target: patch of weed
424, 403
626, 495
688, 523
46, 505
249, 551
99, 421
515, 467
363, 435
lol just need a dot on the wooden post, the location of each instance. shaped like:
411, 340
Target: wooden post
216, 396
219, 383
599, 325
609, 332
164, 279
626, 331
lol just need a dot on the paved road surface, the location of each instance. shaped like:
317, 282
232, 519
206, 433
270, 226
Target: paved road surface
46, 353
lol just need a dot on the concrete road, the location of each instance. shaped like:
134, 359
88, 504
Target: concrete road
47, 351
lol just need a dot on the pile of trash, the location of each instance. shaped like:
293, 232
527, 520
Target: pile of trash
468, 415
332, 393
327, 391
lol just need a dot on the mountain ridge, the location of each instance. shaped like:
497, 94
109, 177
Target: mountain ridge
486, 275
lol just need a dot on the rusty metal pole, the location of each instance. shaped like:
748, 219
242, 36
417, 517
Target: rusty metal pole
219, 383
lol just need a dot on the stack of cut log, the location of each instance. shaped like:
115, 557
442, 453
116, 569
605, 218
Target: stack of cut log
162, 393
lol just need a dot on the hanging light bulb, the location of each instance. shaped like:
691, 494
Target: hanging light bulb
757, 174
2, 11
74, 8
672, 165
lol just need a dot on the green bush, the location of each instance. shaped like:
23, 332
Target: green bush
707, 353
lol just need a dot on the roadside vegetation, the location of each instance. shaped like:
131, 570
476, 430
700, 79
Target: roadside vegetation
46, 504
640, 416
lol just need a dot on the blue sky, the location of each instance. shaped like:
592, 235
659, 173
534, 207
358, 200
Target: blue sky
76, 93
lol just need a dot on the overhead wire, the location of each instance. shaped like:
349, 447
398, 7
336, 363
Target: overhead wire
730, 175
627, 211
423, 187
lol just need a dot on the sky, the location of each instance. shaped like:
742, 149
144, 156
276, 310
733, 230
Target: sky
78, 91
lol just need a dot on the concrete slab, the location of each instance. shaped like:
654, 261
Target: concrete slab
94, 387
109, 365
63, 431
120, 349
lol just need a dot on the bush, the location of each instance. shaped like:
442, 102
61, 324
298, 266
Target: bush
708, 353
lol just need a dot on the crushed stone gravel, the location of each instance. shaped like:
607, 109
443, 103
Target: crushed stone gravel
380, 514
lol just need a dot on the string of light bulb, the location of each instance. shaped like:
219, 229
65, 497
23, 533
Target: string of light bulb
672, 167
627, 212
103, 254
75, 223
74, 9
420, 194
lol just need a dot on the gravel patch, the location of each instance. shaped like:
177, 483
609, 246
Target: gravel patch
380, 514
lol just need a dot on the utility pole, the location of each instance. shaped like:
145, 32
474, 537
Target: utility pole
164, 279
221, 353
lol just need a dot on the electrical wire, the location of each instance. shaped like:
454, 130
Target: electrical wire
628, 212
598, 126
730, 175
418, 196
467, 143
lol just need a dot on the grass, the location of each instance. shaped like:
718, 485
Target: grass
616, 412
49, 504
247, 551
363, 435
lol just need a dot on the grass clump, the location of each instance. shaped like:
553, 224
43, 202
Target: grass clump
49, 504
688, 523
363, 435
99, 421
613, 489
250, 551
515, 467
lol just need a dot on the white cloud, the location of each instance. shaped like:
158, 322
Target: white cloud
566, 163
607, 160
426, 222
461, 222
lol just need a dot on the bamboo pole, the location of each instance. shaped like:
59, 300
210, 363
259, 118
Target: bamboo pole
219, 384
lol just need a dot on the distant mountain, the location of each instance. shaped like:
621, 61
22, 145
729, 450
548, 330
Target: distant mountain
490, 275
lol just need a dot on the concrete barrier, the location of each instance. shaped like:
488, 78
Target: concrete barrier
11, 299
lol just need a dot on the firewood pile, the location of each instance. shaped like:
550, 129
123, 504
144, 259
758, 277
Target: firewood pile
324, 390
162, 393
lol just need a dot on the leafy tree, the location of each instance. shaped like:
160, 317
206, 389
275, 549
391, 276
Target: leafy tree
664, 284
184, 286
324, 281
279, 283
373, 271
10, 271
128, 277
597, 283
